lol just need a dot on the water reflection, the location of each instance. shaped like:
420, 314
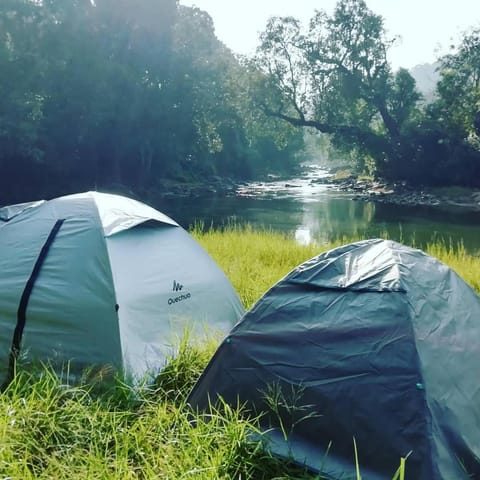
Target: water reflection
329, 216
334, 218
303, 235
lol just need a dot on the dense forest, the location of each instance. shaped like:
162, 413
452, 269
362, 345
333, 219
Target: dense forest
124, 94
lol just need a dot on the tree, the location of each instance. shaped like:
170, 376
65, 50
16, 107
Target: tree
223, 133
453, 119
21, 97
337, 79
458, 91
121, 94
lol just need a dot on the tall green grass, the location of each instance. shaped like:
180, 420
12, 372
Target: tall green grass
100, 430
49, 430
254, 260
457, 258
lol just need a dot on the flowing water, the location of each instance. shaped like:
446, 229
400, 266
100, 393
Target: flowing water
312, 211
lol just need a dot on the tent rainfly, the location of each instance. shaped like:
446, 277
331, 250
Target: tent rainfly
97, 279
372, 341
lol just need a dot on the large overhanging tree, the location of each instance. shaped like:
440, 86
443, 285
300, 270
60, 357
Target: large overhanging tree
335, 77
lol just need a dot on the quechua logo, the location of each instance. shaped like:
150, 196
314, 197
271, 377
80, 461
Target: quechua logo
178, 287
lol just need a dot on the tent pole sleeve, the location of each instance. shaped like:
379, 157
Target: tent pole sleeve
22, 307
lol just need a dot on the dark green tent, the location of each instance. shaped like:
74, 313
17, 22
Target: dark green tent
373, 341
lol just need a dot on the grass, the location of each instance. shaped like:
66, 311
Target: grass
49, 430
254, 260
457, 258
52, 431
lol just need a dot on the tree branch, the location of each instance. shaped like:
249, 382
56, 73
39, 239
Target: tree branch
350, 131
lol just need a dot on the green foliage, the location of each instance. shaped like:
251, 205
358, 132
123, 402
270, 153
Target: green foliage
445, 138
404, 98
183, 367
109, 93
121, 95
335, 77
448, 139
459, 87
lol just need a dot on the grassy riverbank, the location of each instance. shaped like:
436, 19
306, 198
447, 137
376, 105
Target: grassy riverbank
50, 431
255, 260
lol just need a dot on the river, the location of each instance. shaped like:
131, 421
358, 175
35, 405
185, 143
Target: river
313, 212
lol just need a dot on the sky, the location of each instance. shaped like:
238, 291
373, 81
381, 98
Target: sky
426, 27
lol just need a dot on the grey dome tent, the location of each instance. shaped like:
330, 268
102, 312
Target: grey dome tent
101, 279
373, 341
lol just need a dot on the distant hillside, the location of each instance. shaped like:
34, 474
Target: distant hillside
426, 75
